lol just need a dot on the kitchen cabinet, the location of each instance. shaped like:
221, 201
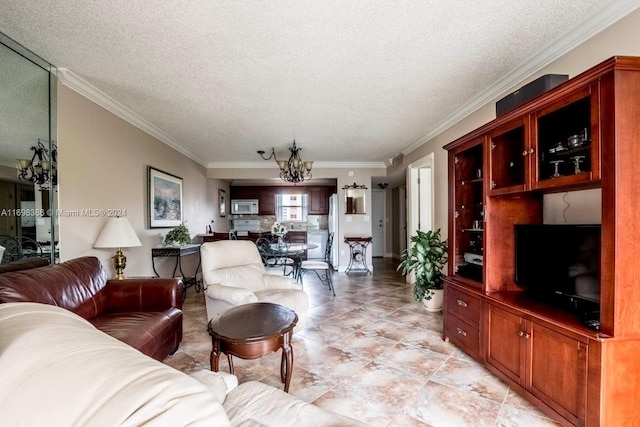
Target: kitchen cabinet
297, 237
248, 192
319, 200
318, 197
582, 134
214, 237
267, 201
266, 197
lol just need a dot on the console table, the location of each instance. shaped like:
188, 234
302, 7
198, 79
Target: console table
178, 252
358, 256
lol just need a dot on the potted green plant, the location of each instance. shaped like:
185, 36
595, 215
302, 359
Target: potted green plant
426, 257
178, 236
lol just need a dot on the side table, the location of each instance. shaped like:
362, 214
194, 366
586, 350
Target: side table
178, 252
250, 331
358, 256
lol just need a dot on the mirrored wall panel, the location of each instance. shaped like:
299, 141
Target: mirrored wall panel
28, 155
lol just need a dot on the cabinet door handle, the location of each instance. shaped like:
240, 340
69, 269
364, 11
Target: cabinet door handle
523, 334
461, 303
531, 151
525, 152
461, 332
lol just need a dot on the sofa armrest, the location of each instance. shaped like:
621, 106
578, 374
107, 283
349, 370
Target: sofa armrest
274, 281
219, 383
150, 294
231, 294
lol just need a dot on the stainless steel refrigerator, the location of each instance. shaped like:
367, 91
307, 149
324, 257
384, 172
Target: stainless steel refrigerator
333, 228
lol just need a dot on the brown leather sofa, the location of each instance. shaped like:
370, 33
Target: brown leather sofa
23, 264
144, 313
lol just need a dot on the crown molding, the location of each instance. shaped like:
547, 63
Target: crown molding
10, 163
86, 89
597, 23
316, 165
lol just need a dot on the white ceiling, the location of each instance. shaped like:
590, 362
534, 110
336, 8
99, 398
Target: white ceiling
351, 81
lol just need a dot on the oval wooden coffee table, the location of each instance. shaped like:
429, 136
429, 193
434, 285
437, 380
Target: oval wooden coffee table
250, 331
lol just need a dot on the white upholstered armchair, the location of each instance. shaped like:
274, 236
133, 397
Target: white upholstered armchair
233, 274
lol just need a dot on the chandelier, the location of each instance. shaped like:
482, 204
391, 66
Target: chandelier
295, 169
41, 169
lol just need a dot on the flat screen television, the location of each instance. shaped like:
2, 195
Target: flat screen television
560, 263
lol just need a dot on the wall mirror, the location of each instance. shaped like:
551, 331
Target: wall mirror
28, 154
355, 199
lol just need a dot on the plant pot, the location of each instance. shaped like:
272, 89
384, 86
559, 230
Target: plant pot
434, 305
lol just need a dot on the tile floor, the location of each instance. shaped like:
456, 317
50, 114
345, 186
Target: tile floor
373, 354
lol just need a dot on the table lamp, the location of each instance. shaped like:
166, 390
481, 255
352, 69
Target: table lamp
117, 233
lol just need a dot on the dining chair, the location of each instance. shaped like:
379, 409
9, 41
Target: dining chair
273, 261
322, 268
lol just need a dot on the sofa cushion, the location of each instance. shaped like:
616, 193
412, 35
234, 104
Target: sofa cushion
257, 404
150, 332
77, 285
296, 300
56, 369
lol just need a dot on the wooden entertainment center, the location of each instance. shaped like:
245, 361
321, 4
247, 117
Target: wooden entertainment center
582, 134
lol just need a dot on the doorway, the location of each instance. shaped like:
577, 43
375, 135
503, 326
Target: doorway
420, 198
378, 223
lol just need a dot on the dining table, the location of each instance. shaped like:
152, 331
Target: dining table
293, 251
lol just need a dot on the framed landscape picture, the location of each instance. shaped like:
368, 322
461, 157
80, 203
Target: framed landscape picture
164, 199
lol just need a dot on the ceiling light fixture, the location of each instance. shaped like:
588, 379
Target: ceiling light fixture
42, 166
295, 169
383, 185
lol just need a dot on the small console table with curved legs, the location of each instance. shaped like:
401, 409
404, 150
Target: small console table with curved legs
358, 256
178, 253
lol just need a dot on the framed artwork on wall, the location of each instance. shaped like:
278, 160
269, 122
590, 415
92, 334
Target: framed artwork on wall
164, 199
222, 202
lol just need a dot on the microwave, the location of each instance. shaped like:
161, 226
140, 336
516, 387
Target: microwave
244, 206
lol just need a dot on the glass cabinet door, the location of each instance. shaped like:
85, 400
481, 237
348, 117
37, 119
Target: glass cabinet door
468, 220
567, 138
509, 158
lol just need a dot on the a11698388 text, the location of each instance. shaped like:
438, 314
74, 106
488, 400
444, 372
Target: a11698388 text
63, 212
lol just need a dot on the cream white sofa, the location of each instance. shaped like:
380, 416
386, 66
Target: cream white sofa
56, 369
233, 274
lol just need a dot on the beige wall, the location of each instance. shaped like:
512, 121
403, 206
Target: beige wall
103, 164
619, 39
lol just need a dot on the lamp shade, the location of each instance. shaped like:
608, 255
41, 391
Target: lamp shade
117, 233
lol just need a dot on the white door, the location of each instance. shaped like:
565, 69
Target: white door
378, 223
402, 219
420, 195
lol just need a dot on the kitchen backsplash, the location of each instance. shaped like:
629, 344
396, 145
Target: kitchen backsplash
314, 222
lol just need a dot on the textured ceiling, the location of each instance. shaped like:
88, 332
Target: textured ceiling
351, 81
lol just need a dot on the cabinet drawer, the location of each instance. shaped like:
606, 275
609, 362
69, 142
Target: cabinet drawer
463, 305
463, 334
